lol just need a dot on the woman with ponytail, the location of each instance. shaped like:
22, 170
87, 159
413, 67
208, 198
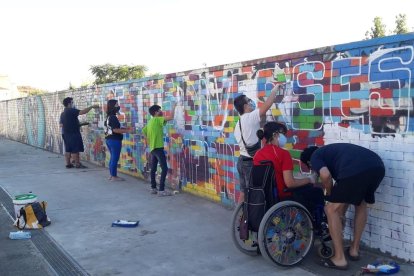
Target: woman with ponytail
114, 136
274, 134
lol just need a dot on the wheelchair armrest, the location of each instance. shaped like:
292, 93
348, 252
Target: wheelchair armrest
266, 162
298, 188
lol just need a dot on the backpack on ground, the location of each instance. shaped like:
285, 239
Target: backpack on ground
32, 216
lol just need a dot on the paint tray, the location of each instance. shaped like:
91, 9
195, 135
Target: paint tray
125, 223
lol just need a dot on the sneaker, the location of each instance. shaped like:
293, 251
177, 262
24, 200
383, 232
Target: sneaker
69, 166
164, 193
154, 191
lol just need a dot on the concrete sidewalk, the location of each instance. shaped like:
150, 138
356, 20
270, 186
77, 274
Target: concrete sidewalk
177, 235
19, 257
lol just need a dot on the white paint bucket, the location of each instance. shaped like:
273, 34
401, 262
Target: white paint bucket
20, 201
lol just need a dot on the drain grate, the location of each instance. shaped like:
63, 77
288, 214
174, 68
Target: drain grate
58, 259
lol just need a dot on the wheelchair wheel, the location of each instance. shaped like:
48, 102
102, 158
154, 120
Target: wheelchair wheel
286, 233
326, 251
249, 246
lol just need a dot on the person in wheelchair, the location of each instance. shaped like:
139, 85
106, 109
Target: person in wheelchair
300, 189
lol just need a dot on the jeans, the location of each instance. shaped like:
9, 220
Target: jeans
158, 155
312, 198
114, 147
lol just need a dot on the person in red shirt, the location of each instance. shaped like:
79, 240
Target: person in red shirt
308, 195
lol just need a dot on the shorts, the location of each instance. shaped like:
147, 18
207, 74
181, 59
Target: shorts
355, 189
73, 143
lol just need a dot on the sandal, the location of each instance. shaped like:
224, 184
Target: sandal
350, 257
329, 264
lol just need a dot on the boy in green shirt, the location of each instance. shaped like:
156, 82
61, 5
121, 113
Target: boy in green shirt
153, 131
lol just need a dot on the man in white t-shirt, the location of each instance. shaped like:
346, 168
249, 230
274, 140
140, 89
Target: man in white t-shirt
250, 118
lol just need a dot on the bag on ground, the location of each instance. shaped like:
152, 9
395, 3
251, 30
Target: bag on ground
32, 216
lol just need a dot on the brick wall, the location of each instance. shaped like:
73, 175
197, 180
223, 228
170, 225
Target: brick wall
359, 92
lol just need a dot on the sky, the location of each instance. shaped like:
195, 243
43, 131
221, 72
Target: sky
49, 44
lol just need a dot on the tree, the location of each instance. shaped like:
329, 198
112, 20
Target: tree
31, 91
155, 75
378, 30
85, 84
108, 73
401, 24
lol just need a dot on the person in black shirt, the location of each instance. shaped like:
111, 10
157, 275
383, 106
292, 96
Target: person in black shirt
71, 130
350, 174
113, 136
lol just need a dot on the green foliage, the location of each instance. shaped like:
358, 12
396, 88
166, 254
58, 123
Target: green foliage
401, 24
378, 30
108, 73
84, 85
156, 75
31, 91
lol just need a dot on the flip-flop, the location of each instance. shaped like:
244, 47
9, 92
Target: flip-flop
350, 257
329, 264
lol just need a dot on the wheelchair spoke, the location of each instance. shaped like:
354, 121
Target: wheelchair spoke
288, 235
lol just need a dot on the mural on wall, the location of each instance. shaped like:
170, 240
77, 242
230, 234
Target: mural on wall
365, 87
34, 120
53, 107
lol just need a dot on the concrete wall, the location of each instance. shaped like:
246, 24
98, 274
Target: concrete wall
360, 93
8, 90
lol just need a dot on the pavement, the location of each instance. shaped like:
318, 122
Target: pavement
177, 235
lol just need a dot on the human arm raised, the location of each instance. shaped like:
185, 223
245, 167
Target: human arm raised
269, 101
86, 110
171, 116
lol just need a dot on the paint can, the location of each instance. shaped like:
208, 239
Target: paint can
20, 201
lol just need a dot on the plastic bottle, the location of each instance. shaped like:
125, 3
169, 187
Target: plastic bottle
20, 235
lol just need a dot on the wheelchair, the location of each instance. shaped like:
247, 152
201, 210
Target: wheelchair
283, 232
